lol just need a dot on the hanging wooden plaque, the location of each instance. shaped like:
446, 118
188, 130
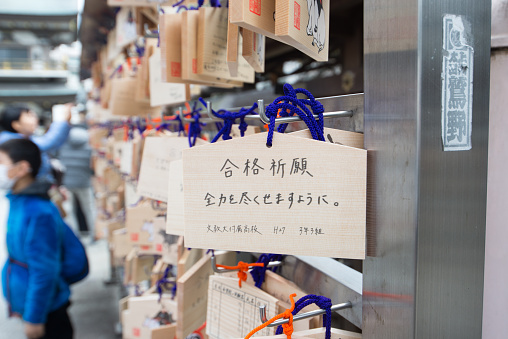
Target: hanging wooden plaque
212, 46
190, 54
158, 154
253, 49
164, 93
193, 292
123, 93
300, 196
175, 223
232, 49
139, 223
304, 24
318, 333
335, 136
255, 15
233, 311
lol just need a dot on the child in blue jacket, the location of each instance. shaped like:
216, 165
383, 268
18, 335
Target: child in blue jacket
19, 121
31, 277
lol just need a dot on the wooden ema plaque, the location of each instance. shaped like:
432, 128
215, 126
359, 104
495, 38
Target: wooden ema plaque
232, 312
175, 223
192, 293
123, 93
164, 93
253, 49
304, 24
212, 47
190, 54
301, 196
318, 333
158, 154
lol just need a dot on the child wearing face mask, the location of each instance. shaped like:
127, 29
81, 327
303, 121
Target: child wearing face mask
19, 121
31, 278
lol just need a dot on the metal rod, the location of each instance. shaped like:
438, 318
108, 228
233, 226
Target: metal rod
214, 118
149, 33
334, 308
224, 270
285, 120
187, 120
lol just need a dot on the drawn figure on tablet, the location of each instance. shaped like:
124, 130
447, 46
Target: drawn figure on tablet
148, 227
316, 27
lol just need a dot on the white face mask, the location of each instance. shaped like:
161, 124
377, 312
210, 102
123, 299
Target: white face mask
6, 183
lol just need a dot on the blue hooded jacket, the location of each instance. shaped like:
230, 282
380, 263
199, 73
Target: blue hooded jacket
34, 238
51, 140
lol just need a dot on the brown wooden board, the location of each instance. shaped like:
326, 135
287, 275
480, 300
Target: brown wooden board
335, 136
123, 93
189, 55
300, 196
253, 49
192, 293
304, 24
175, 223
212, 46
232, 49
318, 333
255, 15
164, 93
232, 312
158, 154
142, 313
139, 221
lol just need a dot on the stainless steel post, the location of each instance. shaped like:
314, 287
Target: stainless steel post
424, 278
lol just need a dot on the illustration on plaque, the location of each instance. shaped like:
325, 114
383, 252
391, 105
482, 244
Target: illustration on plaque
316, 27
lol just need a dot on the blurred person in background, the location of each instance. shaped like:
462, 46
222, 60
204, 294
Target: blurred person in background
76, 155
19, 121
32, 278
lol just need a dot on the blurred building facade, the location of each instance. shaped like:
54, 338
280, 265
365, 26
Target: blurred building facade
39, 55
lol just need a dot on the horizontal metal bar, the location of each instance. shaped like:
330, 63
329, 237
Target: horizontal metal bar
214, 118
187, 120
334, 280
334, 308
224, 270
340, 106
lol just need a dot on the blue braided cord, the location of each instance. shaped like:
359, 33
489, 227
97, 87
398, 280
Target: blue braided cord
162, 126
140, 50
118, 69
229, 119
181, 129
258, 273
130, 129
322, 302
194, 129
290, 102
140, 128
316, 106
163, 283
271, 112
195, 126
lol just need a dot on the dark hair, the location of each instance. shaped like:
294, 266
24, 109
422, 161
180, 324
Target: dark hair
12, 113
23, 150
